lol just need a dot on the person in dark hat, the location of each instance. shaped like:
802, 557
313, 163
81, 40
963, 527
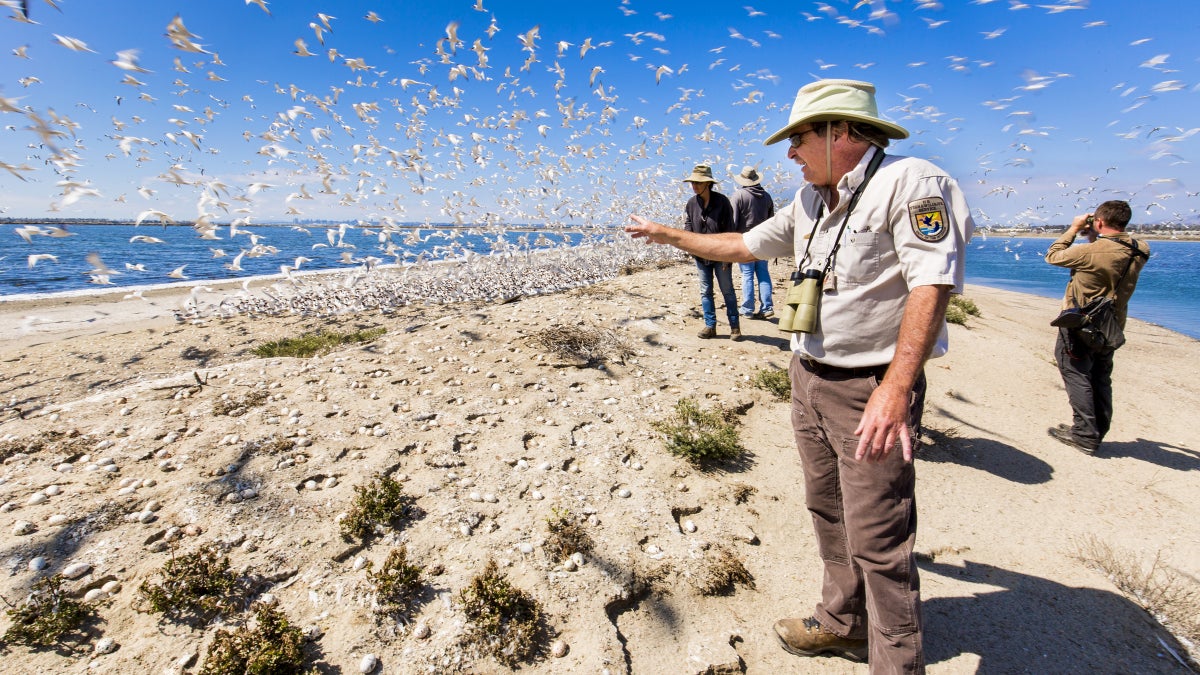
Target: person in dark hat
752, 205
710, 212
879, 242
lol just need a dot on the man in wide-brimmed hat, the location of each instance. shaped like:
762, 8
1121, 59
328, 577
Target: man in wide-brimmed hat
880, 243
752, 205
709, 212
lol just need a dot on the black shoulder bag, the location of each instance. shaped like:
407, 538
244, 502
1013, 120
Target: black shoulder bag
1095, 325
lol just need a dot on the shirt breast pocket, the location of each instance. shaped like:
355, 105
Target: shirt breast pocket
862, 257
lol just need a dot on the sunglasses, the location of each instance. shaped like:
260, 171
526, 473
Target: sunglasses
798, 139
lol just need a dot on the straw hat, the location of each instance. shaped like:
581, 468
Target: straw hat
701, 173
833, 101
749, 176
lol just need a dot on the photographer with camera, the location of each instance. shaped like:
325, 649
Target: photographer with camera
1107, 266
879, 244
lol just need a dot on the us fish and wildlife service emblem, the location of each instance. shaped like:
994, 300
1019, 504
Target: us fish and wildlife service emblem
928, 218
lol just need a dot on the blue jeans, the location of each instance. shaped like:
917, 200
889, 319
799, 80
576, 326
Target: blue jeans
724, 272
760, 269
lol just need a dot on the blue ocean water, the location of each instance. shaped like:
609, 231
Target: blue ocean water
210, 259
1010, 263
1162, 297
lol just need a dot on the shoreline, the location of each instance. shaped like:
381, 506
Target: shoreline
64, 302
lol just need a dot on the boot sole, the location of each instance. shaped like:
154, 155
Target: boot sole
848, 654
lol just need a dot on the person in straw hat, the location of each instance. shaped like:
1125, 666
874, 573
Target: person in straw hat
709, 212
752, 205
884, 237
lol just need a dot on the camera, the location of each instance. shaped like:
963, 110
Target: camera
802, 303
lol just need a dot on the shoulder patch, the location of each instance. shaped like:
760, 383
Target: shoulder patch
928, 218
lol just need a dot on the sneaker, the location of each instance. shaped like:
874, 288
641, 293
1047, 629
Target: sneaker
756, 315
807, 637
735, 334
1063, 434
768, 314
708, 332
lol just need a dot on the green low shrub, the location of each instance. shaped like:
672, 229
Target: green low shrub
272, 647
195, 587
774, 380
380, 503
703, 437
505, 621
311, 344
46, 616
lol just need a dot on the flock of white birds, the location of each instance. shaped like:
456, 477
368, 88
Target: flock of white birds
566, 131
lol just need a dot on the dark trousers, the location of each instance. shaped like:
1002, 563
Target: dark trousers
865, 517
1088, 378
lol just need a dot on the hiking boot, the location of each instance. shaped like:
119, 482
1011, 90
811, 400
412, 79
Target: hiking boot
1063, 434
708, 332
807, 637
735, 334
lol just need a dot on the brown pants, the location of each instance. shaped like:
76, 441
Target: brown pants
865, 517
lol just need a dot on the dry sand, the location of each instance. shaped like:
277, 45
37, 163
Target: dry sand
467, 404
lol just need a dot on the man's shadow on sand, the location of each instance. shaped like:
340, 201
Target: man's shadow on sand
1033, 625
984, 454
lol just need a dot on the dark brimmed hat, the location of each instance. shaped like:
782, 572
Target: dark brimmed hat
836, 101
701, 173
749, 176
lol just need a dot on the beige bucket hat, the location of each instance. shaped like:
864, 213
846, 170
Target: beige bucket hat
701, 173
836, 100
749, 176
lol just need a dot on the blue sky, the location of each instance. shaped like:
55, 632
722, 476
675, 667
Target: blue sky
1040, 110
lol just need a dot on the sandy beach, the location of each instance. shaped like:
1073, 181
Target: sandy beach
490, 433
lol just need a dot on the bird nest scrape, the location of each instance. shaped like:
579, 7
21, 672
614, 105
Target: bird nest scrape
70, 444
582, 345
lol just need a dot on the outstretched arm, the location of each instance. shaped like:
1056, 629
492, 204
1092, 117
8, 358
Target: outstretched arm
725, 246
886, 416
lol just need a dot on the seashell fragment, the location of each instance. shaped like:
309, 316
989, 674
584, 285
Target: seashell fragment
76, 570
105, 645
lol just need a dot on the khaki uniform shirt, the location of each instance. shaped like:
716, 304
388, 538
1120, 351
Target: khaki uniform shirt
910, 228
1095, 268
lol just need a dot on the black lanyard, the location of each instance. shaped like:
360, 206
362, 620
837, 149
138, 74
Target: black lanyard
872, 167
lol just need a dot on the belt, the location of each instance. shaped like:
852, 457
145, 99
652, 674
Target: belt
827, 371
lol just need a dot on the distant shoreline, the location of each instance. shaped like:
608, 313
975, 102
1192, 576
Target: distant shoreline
1190, 234
72, 222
